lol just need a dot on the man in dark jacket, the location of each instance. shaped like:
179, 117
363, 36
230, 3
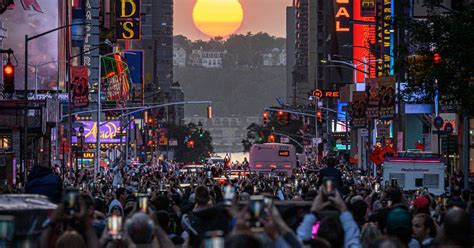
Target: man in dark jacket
43, 181
331, 173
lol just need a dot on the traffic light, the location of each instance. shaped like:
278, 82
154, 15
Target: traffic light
436, 58
149, 120
8, 78
285, 119
209, 112
319, 115
190, 144
201, 133
265, 118
271, 138
280, 117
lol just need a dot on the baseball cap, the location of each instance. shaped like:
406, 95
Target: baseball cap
421, 202
398, 219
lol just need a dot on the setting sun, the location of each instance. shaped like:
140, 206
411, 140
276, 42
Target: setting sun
218, 17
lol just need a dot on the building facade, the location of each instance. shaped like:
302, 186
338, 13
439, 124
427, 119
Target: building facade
179, 56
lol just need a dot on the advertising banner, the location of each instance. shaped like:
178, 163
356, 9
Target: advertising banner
359, 108
109, 132
80, 86
386, 92
363, 39
383, 27
371, 88
128, 13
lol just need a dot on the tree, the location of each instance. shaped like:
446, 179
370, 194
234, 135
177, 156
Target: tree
450, 36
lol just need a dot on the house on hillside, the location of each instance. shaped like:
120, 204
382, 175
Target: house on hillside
179, 56
206, 59
276, 57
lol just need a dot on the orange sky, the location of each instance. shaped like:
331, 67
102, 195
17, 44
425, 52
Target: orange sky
259, 15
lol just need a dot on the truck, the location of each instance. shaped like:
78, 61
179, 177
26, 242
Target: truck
275, 158
415, 170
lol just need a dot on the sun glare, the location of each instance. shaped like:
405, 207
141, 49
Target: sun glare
218, 17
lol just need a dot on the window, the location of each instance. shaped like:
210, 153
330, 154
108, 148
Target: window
400, 178
431, 180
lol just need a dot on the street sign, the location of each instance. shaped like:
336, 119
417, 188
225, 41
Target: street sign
173, 142
285, 139
438, 122
364, 132
448, 128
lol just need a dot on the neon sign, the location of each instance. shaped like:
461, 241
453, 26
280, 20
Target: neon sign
342, 16
110, 132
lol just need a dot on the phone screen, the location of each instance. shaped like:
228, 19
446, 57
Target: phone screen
114, 227
329, 187
142, 203
7, 227
257, 211
71, 201
314, 230
214, 239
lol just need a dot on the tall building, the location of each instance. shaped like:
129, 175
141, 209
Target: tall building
290, 54
157, 43
311, 39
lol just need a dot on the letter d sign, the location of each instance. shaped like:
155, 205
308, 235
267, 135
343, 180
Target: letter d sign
128, 8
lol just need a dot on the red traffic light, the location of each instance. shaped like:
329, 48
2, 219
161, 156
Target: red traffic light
436, 58
319, 115
150, 120
8, 69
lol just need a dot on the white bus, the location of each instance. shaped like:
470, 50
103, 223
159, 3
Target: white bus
272, 158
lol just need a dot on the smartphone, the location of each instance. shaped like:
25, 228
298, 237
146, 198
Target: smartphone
229, 193
142, 202
329, 187
148, 191
162, 189
315, 229
209, 174
114, 227
257, 211
71, 201
377, 187
214, 239
445, 201
7, 228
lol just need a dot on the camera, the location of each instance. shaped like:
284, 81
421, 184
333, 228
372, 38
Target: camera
229, 193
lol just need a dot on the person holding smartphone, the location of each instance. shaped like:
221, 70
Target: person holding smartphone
351, 230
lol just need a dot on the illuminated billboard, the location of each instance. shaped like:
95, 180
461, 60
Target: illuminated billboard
109, 132
32, 17
364, 39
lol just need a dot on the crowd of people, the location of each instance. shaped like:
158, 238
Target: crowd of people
327, 205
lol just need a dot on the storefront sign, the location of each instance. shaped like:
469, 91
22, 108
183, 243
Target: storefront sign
128, 13
88, 155
383, 36
326, 93
109, 132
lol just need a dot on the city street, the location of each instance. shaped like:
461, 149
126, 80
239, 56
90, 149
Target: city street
236, 123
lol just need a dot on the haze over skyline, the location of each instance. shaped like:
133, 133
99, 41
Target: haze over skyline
259, 16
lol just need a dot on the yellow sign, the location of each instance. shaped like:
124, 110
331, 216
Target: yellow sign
88, 155
127, 19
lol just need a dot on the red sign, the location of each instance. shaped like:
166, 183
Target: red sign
326, 93
363, 38
80, 86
